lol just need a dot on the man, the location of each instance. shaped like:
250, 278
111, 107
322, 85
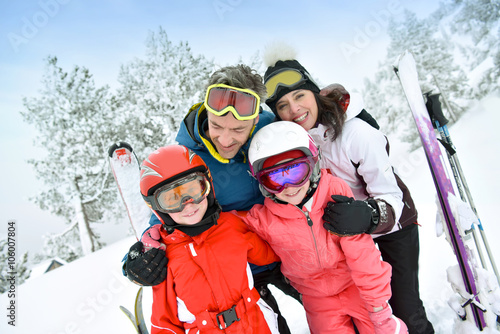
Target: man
219, 130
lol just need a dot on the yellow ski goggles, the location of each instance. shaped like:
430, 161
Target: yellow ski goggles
288, 78
243, 103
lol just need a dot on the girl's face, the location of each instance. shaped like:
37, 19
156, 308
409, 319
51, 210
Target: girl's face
294, 195
299, 106
191, 214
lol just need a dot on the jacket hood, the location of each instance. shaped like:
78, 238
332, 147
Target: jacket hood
356, 105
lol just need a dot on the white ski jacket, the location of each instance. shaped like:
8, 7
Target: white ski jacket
360, 157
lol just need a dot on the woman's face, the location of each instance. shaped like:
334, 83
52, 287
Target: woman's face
299, 106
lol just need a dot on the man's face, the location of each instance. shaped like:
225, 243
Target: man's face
229, 134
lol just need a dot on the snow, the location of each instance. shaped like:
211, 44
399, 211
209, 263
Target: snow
84, 296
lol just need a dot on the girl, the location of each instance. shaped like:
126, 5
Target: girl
341, 279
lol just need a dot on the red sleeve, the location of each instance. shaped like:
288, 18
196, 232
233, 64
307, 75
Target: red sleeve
259, 251
371, 275
164, 315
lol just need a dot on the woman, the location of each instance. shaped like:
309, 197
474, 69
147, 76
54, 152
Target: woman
358, 153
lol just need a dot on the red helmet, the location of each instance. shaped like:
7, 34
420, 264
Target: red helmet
166, 165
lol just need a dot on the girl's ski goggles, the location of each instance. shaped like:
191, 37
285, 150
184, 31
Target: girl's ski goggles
288, 78
243, 103
174, 196
293, 173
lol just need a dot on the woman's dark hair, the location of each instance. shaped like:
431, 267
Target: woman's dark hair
330, 113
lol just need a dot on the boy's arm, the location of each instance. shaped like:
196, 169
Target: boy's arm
259, 251
164, 312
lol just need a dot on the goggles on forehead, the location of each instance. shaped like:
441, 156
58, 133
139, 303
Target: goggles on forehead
243, 103
288, 78
173, 197
293, 173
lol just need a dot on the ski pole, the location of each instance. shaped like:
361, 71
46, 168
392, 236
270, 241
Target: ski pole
473, 206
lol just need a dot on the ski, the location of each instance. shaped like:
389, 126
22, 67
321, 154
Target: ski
131, 317
137, 317
468, 289
126, 171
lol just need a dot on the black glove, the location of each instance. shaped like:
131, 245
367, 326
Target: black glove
346, 216
146, 269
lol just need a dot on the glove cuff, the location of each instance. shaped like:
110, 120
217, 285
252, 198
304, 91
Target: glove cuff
376, 217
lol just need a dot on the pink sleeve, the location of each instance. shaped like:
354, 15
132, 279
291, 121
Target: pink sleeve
371, 275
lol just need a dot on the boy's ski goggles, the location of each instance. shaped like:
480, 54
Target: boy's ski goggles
243, 103
174, 196
288, 78
293, 173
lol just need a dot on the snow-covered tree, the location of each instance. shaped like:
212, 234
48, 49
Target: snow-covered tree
477, 24
437, 70
157, 91
10, 268
74, 121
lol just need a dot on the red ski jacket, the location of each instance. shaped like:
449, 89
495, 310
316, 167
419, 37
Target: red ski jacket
209, 283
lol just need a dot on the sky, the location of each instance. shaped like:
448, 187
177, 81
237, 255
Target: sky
337, 41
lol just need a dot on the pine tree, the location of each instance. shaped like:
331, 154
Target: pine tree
9, 268
74, 120
157, 91
434, 56
477, 22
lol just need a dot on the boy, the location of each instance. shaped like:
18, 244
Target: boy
209, 285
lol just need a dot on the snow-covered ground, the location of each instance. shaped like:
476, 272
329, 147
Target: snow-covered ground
84, 296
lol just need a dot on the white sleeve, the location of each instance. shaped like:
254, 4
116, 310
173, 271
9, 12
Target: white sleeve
368, 152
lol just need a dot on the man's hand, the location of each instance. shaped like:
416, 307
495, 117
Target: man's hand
345, 216
146, 269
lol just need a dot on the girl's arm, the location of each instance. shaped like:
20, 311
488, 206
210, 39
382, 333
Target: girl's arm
371, 275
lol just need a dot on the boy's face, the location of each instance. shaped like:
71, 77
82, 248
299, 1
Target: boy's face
191, 214
294, 195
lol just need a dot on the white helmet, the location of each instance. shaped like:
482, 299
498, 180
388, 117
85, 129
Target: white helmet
280, 137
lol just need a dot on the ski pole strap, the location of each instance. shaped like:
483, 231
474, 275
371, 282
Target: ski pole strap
447, 146
222, 320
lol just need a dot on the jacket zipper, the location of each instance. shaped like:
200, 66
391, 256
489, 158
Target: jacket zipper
310, 223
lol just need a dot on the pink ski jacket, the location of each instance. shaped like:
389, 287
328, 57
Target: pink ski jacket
316, 262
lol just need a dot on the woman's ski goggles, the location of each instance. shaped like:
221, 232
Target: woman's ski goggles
243, 103
293, 173
288, 78
174, 196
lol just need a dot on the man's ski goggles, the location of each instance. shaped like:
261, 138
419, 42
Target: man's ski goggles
288, 78
174, 196
243, 103
293, 173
